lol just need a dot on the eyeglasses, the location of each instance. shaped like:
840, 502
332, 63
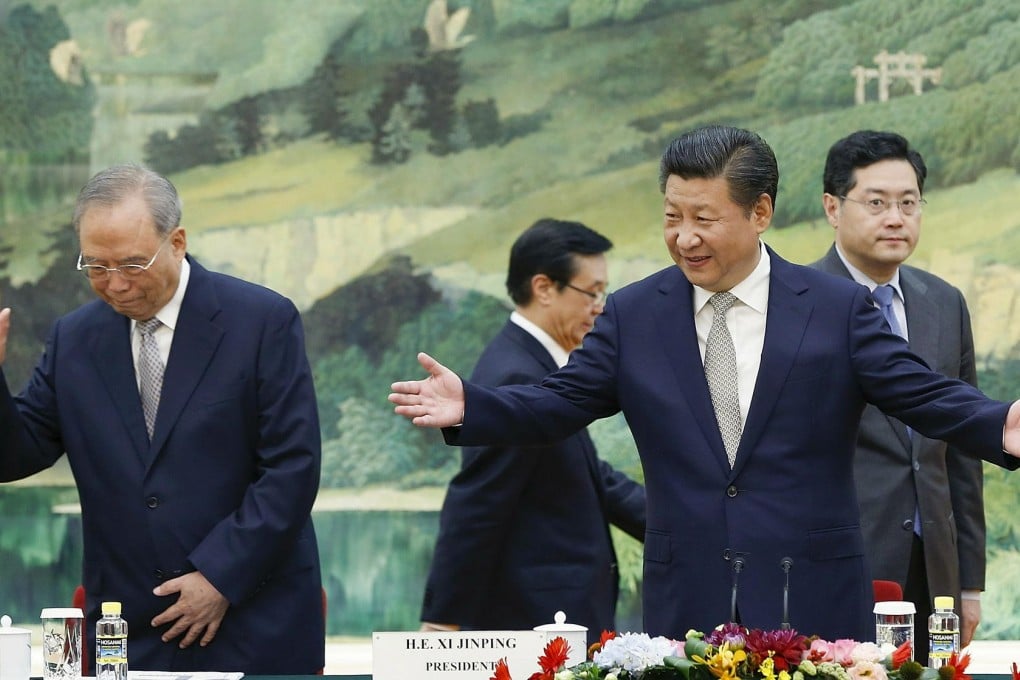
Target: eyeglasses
597, 296
97, 272
877, 206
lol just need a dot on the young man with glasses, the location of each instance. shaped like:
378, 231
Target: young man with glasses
184, 402
922, 504
524, 535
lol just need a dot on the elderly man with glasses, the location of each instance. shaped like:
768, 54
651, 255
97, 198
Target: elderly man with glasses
184, 401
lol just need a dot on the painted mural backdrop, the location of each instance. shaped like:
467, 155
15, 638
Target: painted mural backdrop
374, 159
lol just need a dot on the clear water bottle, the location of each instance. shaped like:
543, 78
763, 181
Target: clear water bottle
943, 632
111, 644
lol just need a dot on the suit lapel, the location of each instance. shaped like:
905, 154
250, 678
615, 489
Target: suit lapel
196, 338
673, 312
530, 344
788, 312
109, 344
922, 332
922, 317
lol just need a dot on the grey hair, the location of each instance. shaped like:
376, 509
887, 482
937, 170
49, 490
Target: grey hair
113, 185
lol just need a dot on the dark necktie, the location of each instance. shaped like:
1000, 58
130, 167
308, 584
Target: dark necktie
150, 371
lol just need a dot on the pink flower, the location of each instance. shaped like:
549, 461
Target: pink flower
867, 670
820, 650
842, 651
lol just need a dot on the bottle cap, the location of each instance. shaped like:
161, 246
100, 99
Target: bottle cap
61, 613
944, 602
895, 608
111, 608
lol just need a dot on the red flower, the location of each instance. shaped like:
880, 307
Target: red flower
502, 671
902, 654
1016, 672
959, 666
787, 647
606, 637
555, 656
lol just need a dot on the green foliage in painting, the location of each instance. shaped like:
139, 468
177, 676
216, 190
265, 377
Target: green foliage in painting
355, 350
41, 114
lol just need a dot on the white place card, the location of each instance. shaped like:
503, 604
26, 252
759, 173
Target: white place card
455, 655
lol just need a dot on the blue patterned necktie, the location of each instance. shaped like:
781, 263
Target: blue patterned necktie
150, 371
721, 373
884, 296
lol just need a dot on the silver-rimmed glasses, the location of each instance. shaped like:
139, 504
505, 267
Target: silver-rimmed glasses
97, 272
877, 206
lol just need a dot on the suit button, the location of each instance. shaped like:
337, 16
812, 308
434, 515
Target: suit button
159, 574
908, 525
917, 466
727, 554
152, 502
731, 491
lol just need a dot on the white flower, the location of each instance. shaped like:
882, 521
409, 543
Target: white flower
634, 652
867, 651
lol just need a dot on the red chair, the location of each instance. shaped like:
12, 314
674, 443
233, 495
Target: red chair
887, 591
78, 600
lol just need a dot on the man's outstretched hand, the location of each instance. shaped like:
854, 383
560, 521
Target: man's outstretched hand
436, 401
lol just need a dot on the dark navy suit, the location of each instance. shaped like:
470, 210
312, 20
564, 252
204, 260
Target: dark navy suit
524, 531
827, 352
225, 487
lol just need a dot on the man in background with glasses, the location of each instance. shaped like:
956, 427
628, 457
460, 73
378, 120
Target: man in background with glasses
522, 536
184, 401
922, 506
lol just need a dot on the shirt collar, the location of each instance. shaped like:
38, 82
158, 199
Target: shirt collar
752, 291
559, 355
865, 280
168, 315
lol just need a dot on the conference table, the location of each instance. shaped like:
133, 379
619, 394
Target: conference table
974, 676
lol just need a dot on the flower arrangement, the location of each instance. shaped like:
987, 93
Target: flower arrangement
732, 652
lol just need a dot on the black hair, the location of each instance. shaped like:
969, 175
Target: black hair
742, 157
864, 148
549, 247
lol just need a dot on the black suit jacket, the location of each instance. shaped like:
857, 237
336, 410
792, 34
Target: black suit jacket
524, 531
895, 473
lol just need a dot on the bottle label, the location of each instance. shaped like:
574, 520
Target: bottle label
941, 643
111, 649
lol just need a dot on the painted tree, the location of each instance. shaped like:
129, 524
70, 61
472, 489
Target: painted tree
323, 95
39, 113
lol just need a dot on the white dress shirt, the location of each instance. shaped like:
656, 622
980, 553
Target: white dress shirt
899, 309
559, 355
168, 316
746, 322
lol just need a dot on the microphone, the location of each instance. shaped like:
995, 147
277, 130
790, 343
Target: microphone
786, 564
737, 566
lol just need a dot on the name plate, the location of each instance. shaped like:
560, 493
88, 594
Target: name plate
467, 655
